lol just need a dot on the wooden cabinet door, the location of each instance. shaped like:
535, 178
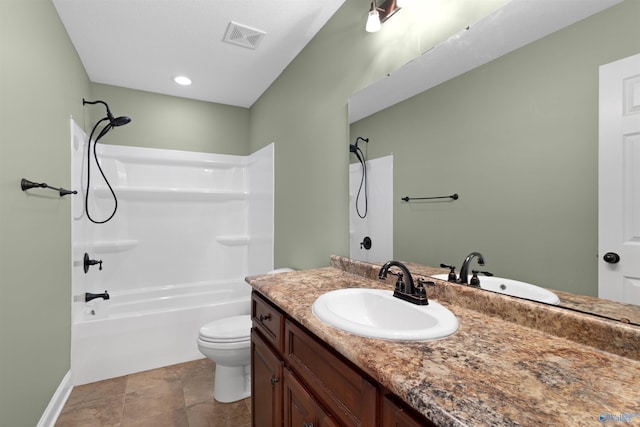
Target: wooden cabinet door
345, 393
266, 384
300, 409
396, 414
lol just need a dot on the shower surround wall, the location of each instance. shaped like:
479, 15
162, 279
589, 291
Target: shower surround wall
188, 229
378, 223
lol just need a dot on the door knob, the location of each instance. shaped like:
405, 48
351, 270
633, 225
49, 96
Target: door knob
611, 257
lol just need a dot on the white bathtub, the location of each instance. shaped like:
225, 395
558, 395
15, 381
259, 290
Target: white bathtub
149, 327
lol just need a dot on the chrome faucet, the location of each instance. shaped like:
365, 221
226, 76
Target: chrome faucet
464, 270
405, 289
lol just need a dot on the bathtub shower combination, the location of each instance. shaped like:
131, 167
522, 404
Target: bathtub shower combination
189, 227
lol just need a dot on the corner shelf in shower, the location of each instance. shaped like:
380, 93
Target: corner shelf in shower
171, 194
112, 246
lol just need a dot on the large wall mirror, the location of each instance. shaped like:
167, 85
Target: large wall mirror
505, 114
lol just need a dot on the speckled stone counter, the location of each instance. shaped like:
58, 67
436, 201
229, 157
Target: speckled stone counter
621, 312
605, 332
626, 313
492, 372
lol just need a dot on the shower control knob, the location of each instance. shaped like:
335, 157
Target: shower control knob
89, 262
366, 243
611, 258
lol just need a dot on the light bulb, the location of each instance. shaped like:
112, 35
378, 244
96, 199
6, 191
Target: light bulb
403, 3
373, 22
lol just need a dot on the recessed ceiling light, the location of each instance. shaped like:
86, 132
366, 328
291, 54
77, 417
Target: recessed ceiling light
182, 80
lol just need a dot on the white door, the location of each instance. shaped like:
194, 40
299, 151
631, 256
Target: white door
619, 181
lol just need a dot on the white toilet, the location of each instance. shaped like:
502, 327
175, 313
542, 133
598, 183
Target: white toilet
227, 342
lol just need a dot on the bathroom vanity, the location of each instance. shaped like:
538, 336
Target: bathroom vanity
293, 371
498, 369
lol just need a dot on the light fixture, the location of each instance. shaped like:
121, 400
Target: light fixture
182, 80
373, 20
403, 3
378, 15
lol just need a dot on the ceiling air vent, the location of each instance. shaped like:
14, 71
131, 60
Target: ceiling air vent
243, 36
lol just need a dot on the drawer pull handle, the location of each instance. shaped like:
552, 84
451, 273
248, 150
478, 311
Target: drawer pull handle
274, 380
304, 424
264, 317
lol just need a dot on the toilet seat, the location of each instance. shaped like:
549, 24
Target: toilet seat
227, 342
233, 329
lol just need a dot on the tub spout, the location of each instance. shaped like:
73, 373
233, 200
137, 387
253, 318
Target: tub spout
89, 296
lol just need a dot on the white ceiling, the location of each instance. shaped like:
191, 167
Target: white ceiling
143, 44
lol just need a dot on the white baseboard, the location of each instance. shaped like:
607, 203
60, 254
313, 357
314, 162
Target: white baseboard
59, 398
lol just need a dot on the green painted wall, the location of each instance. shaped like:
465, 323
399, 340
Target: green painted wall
169, 122
518, 140
42, 83
305, 113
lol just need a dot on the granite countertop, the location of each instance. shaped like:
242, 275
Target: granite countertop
626, 313
493, 371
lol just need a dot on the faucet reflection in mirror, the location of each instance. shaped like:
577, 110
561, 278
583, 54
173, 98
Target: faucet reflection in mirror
464, 270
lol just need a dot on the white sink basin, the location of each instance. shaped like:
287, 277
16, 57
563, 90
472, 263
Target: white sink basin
512, 287
377, 313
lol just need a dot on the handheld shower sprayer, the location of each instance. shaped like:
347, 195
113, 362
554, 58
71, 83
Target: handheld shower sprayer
353, 148
113, 122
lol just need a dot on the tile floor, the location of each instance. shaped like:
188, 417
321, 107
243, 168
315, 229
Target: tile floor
174, 396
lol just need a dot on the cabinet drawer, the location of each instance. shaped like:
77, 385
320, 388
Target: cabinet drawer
268, 320
349, 396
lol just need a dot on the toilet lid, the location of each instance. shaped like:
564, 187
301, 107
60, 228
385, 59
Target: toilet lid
228, 329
